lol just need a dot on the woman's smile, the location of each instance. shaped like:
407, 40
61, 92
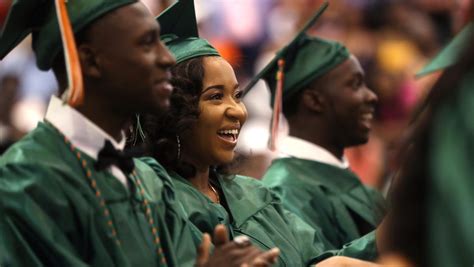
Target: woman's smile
221, 115
229, 135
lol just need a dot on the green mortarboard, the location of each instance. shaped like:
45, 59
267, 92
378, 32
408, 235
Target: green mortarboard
39, 18
306, 58
180, 34
295, 66
450, 54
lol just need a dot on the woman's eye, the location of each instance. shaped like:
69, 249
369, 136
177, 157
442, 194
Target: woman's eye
216, 97
239, 95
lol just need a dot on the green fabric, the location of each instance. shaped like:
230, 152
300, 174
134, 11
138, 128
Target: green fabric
327, 197
180, 34
179, 19
450, 195
308, 59
292, 58
39, 18
49, 215
449, 55
256, 212
188, 48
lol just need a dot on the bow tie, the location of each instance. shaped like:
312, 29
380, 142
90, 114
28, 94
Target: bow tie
108, 156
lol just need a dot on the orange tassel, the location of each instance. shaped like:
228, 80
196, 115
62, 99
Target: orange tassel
277, 104
75, 91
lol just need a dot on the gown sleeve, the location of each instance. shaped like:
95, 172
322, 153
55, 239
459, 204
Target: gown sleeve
35, 218
315, 247
185, 236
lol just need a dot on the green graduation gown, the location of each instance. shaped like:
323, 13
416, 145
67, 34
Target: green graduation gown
450, 197
327, 197
256, 212
50, 216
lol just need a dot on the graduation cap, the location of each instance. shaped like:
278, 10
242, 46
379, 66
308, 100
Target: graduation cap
450, 54
53, 24
294, 67
179, 32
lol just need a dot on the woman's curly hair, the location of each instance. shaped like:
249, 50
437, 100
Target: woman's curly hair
162, 131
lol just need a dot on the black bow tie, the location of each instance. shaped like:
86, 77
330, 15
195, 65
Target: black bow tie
108, 156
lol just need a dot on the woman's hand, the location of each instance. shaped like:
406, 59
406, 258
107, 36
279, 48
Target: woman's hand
239, 253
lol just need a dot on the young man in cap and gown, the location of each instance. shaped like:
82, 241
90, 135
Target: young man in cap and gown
319, 86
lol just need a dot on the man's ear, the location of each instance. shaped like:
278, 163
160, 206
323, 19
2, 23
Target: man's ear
89, 61
313, 100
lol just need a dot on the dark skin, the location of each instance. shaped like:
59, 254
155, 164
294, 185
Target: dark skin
338, 106
232, 254
118, 84
220, 108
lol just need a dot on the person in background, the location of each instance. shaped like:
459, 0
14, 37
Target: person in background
328, 108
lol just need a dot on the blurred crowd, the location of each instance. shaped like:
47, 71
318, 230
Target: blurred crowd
393, 39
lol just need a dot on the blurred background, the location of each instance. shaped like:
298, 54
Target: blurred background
393, 39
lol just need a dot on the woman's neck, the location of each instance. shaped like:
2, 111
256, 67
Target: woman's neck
201, 182
201, 179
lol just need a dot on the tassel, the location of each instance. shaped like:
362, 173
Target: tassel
277, 104
75, 90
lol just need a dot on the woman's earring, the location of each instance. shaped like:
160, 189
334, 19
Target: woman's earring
179, 146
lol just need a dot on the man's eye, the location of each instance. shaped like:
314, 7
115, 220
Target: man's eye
150, 39
356, 83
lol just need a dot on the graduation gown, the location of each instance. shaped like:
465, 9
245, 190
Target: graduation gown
450, 211
256, 212
50, 216
327, 197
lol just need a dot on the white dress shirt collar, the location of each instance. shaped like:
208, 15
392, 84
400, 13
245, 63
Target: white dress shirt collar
82, 132
290, 146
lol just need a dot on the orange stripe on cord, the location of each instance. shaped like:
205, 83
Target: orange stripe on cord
277, 104
73, 66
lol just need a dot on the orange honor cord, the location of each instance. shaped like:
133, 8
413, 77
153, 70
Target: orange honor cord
277, 104
75, 91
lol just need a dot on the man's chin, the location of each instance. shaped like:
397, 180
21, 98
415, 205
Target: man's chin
155, 109
361, 140
163, 106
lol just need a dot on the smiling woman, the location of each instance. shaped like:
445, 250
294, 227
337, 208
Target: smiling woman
198, 134
203, 124
211, 141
